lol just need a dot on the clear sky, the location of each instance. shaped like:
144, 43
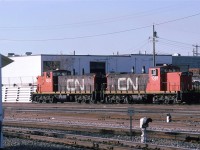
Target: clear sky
99, 27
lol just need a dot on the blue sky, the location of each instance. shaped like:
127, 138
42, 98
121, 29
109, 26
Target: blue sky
98, 27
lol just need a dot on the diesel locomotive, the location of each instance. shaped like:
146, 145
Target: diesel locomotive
163, 84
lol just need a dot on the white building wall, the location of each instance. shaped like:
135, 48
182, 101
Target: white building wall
23, 70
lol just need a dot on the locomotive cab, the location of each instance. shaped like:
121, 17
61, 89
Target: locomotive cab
169, 78
169, 81
48, 82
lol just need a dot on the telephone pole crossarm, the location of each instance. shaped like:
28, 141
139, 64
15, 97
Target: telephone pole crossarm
195, 51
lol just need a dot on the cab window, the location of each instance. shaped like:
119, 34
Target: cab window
154, 72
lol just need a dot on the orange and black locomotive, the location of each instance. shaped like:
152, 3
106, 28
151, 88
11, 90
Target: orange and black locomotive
163, 84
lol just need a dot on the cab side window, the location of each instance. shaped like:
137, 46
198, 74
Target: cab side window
48, 74
154, 72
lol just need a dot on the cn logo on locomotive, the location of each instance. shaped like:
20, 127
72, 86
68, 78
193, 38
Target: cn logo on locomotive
48, 80
154, 78
74, 84
126, 83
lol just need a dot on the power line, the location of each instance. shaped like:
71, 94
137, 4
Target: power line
101, 34
143, 45
178, 19
90, 22
78, 37
178, 42
174, 45
139, 46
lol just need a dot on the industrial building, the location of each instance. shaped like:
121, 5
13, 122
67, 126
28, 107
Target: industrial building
186, 61
25, 69
19, 78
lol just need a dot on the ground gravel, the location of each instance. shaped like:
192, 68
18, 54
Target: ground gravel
22, 144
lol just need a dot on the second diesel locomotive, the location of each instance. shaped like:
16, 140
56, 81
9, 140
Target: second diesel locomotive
163, 84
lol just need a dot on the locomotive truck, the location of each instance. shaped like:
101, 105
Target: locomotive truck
163, 84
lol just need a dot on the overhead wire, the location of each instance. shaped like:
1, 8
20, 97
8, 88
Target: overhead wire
78, 37
171, 43
90, 22
101, 34
182, 18
143, 45
174, 45
178, 42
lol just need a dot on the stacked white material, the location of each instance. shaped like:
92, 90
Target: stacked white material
17, 94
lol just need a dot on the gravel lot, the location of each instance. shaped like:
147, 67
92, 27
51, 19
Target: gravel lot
21, 144
185, 118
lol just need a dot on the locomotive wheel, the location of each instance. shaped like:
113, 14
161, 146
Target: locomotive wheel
155, 100
128, 100
35, 99
166, 101
72, 98
118, 99
93, 98
122, 99
108, 100
92, 101
88, 99
51, 100
78, 98
103, 101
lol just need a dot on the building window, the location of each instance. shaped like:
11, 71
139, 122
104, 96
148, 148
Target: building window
51, 65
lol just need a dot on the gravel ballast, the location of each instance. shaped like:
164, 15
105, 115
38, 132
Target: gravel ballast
22, 144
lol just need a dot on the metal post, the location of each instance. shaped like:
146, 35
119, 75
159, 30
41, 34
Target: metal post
130, 113
131, 126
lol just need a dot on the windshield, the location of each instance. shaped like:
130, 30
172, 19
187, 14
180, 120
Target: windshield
61, 73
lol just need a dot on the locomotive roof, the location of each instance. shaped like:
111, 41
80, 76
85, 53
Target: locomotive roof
57, 71
124, 73
168, 67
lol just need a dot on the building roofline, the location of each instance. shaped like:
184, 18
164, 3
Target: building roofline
187, 56
119, 55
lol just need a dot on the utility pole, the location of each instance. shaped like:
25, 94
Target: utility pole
154, 46
195, 51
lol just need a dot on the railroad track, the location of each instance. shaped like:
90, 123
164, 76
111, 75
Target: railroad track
125, 133
82, 141
110, 120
